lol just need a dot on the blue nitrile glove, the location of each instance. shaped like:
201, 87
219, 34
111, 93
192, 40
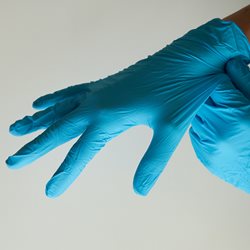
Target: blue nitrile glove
163, 91
220, 131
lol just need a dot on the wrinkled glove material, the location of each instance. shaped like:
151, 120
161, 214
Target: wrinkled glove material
163, 91
220, 132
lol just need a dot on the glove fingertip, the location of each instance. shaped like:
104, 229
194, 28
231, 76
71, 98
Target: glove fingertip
12, 162
141, 192
15, 132
12, 130
140, 189
57, 185
51, 190
38, 104
50, 194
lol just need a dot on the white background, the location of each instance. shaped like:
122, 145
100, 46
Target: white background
48, 45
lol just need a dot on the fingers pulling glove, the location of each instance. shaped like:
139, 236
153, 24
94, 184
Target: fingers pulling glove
220, 131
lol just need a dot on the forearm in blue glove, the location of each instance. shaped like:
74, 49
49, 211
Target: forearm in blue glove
220, 131
163, 91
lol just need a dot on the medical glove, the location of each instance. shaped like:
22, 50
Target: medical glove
163, 91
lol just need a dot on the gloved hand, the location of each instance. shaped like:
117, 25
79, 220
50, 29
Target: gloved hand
163, 91
220, 132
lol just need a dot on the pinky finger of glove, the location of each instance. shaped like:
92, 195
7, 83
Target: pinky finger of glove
71, 92
42, 119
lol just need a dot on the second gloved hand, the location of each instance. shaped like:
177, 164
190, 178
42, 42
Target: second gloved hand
220, 131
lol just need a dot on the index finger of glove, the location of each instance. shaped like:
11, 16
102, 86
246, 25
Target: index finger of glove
43, 119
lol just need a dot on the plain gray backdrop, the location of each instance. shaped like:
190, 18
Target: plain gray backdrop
48, 45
